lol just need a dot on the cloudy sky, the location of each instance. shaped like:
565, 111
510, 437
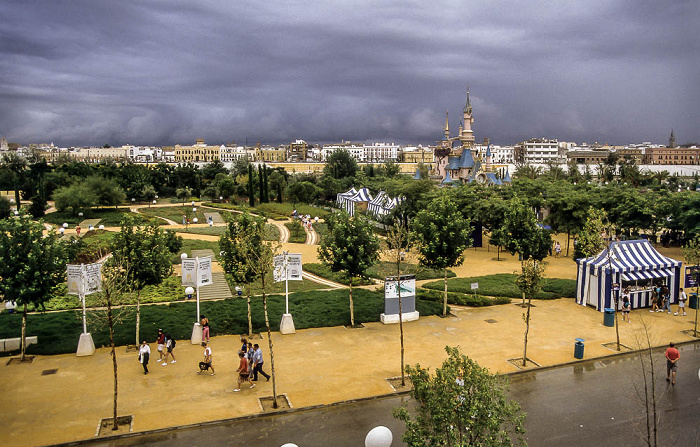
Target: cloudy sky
167, 72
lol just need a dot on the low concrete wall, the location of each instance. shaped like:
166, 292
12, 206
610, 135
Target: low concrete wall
14, 344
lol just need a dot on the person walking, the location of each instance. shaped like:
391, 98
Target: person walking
654, 300
557, 249
204, 322
243, 371
672, 356
170, 347
144, 355
258, 364
626, 305
681, 302
206, 364
161, 345
667, 299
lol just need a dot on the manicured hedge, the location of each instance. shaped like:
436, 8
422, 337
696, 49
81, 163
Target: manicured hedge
383, 269
339, 277
461, 299
503, 284
59, 331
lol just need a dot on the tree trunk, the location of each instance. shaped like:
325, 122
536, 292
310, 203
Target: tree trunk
617, 326
138, 316
697, 304
398, 276
527, 329
269, 342
250, 318
498, 252
110, 323
352, 309
444, 301
568, 240
24, 332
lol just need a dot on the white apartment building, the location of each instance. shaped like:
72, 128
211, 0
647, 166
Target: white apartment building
541, 150
357, 151
140, 154
499, 154
229, 154
381, 152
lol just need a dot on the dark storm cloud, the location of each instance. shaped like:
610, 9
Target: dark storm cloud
168, 72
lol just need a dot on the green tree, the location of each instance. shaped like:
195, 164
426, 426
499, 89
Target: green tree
32, 265
17, 166
530, 283
591, 240
5, 208
523, 234
77, 197
340, 164
251, 187
183, 193
303, 192
236, 245
145, 250
441, 234
691, 252
107, 191
462, 404
349, 246
400, 243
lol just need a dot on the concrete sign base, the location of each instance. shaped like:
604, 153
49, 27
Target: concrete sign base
85, 346
196, 334
394, 318
287, 325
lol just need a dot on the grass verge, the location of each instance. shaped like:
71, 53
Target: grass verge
503, 284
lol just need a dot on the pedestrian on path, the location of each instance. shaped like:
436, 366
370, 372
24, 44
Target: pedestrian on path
681, 302
204, 322
667, 299
161, 345
557, 249
77, 230
626, 307
654, 300
243, 372
672, 356
207, 363
258, 364
144, 355
170, 347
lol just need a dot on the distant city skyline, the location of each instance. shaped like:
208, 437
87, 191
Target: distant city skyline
164, 73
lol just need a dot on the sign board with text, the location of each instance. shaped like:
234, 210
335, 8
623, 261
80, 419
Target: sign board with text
196, 272
84, 278
294, 269
691, 276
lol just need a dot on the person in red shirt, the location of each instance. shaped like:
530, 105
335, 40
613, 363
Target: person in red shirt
672, 356
243, 371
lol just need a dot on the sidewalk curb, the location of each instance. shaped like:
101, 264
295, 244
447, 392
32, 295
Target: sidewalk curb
346, 402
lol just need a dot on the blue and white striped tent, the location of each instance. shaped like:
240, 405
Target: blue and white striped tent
363, 195
630, 262
342, 197
383, 204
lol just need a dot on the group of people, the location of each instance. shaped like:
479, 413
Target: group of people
661, 300
166, 345
306, 220
250, 365
250, 355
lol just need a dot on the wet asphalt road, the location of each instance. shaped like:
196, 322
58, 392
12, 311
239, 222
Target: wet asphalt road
590, 404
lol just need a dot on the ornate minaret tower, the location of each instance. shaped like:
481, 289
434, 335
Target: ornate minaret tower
467, 135
447, 125
672, 140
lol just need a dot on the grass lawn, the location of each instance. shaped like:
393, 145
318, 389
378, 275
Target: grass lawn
59, 332
272, 233
174, 213
297, 234
275, 287
109, 217
321, 270
503, 284
195, 244
286, 209
384, 268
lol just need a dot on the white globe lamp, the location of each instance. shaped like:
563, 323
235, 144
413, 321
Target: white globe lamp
289, 444
195, 220
379, 437
183, 256
189, 291
65, 225
101, 227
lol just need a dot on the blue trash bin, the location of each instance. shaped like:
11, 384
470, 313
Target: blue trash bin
609, 317
578, 348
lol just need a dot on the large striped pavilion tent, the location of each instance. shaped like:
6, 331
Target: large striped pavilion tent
631, 263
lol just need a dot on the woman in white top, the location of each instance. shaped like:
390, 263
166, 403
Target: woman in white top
144, 355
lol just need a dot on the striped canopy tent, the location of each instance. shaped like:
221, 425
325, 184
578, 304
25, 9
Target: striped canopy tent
342, 197
632, 263
377, 203
362, 196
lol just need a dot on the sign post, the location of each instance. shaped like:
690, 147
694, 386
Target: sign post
287, 267
196, 272
84, 279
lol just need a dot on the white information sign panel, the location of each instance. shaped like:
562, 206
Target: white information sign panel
93, 278
74, 273
204, 271
294, 268
475, 285
189, 272
408, 288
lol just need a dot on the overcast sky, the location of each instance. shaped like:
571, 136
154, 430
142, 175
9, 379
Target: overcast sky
167, 72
